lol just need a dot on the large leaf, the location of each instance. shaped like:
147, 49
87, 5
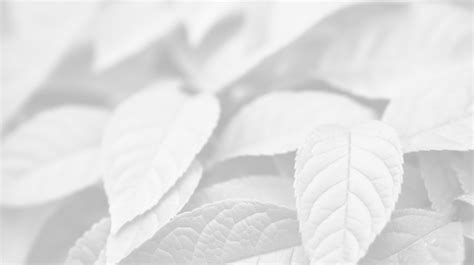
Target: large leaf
437, 115
386, 54
347, 182
40, 35
150, 142
142, 228
416, 236
52, 155
224, 232
87, 248
276, 123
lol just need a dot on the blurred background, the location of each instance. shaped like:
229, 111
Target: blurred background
97, 53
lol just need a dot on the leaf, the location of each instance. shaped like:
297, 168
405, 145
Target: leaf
440, 179
262, 188
68, 223
142, 228
416, 236
87, 248
388, 53
347, 182
276, 123
223, 232
151, 140
125, 28
265, 30
52, 155
444, 120
40, 35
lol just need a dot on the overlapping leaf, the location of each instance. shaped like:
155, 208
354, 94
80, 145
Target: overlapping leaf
278, 122
418, 237
52, 155
225, 232
347, 182
266, 29
142, 228
150, 142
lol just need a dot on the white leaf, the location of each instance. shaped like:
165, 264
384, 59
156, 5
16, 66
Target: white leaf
125, 28
262, 188
150, 142
52, 155
440, 179
276, 123
223, 232
438, 115
392, 51
416, 236
266, 29
42, 33
142, 228
347, 183
87, 249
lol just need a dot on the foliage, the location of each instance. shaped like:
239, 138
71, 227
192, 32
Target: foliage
323, 132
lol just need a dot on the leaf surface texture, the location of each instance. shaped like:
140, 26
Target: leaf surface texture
150, 142
347, 182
